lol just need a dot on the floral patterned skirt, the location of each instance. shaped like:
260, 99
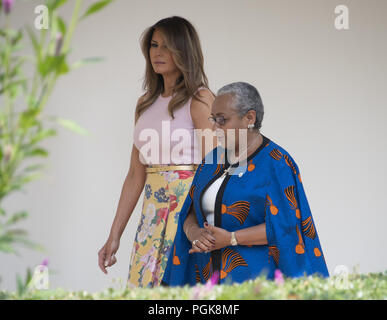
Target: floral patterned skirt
165, 193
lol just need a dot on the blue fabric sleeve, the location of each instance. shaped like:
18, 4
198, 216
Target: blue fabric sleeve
291, 234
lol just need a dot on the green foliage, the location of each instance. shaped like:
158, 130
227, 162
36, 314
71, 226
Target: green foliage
359, 287
22, 286
22, 126
96, 7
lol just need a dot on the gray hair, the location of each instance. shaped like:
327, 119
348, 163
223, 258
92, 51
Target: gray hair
245, 97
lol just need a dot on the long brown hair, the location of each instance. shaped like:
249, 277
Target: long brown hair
183, 42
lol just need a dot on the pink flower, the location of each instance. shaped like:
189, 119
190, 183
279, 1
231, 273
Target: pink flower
278, 277
43, 265
200, 292
173, 204
7, 6
184, 174
162, 214
44, 262
59, 41
213, 280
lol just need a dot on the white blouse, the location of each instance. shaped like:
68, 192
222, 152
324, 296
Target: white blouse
209, 197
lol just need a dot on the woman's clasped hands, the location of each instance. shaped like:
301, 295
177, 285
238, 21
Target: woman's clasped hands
209, 238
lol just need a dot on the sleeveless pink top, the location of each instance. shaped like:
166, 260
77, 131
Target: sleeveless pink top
163, 140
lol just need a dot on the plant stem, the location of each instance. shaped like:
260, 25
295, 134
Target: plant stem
73, 23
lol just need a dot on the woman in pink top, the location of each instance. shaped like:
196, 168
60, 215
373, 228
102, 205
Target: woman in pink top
166, 151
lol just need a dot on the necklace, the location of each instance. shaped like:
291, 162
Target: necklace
226, 171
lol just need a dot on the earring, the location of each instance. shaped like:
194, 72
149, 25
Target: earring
250, 125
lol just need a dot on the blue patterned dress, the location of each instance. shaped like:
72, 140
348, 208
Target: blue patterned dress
266, 189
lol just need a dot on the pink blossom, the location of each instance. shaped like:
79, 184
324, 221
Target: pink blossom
184, 174
7, 6
278, 277
200, 292
213, 280
162, 214
173, 203
44, 262
59, 41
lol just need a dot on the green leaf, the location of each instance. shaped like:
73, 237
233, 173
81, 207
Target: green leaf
63, 68
29, 276
6, 247
43, 134
20, 285
34, 42
17, 38
16, 217
85, 61
61, 25
27, 118
16, 69
17, 236
37, 152
95, 8
51, 64
12, 234
54, 4
19, 181
72, 126
33, 167
13, 86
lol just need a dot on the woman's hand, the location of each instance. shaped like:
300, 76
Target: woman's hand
205, 240
222, 236
106, 255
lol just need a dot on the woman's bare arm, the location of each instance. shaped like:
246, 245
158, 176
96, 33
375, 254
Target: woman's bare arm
131, 191
190, 224
194, 232
255, 235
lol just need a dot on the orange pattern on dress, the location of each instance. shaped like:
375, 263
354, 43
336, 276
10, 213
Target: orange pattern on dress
176, 260
276, 154
308, 228
197, 274
217, 170
251, 165
239, 210
207, 270
191, 191
230, 260
290, 163
300, 247
289, 192
222, 157
273, 208
317, 252
274, 252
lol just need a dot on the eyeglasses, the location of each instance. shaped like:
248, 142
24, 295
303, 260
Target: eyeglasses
220, 120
